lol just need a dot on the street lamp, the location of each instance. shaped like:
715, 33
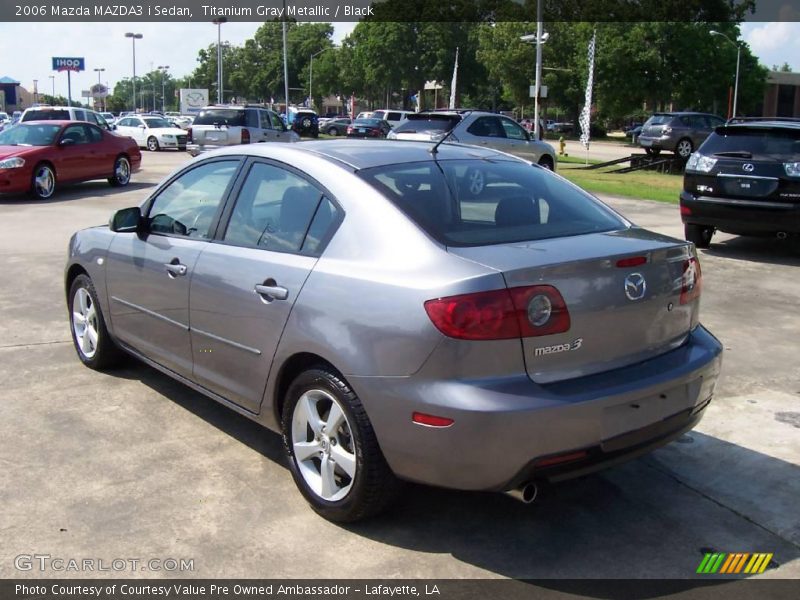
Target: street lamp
53, 82
98, 71
163, 70
738, 56
538, 38
134, 37
218, 21
311, 73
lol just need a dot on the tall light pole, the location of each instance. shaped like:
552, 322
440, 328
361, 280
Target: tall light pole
539, 38
218, 21
98, 71
738, 57
163, 70
53, 82
134, 37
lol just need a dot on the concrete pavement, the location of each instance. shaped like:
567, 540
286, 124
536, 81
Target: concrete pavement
129, 464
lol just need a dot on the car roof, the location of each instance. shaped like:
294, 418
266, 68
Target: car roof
679, 113
60, 122
366, 154
764, 122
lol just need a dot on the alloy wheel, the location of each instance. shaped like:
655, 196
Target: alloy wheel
84, 322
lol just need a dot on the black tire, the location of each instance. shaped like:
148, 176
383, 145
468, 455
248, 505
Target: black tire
333, 131
122, 172
152, 144
652, 151
373, 486
105, 353
700, 235
43, 181
684, 148
547, 163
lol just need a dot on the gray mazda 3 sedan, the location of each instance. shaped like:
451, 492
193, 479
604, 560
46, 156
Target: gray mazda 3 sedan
391, 324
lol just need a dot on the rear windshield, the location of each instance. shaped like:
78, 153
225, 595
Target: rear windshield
515, 202
47, 115
427, 124
659, 120
221, 116
781, 144
367, 121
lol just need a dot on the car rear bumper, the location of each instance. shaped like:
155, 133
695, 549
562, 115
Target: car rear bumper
656, 143
741, 216
197, 149
504, 428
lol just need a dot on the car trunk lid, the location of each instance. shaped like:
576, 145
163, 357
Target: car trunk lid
622, 290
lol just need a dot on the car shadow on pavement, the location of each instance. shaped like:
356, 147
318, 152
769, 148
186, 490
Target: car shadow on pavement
76, 191
652, 518
767, 250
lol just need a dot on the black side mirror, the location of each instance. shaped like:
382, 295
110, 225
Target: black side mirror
126, 220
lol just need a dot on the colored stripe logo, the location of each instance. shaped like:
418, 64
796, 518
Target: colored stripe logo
734, 563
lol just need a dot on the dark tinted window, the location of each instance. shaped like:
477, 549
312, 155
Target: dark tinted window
781, 144
251, 118
273, 210
187, 206
487, 127
77, 134
427, 124
47, 115
95, 134
324, 219
231, 117
518, 202
659, 120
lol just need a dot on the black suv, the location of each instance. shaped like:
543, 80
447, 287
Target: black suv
306, 123
744, 180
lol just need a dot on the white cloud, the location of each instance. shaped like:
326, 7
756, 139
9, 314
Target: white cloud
774, 43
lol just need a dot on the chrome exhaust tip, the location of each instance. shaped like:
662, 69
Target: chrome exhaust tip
526, 493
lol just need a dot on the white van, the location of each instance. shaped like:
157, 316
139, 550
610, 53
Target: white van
393, 117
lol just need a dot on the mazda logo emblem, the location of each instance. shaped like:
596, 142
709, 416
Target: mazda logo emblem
635, 286
748, 167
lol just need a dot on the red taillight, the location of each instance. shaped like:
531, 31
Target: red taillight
189, 134
431, 420
501, 314
685, 210
691, 280
245, 136
633, 261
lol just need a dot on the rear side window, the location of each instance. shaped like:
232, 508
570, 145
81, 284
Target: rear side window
516, 201
427, 124
223, 116
273, 211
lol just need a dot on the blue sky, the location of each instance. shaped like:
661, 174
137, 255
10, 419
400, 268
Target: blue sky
104, 45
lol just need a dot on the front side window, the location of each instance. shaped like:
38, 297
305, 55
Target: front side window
518, 202
514, 131
187, 205
273, 211
487, 127
77, 134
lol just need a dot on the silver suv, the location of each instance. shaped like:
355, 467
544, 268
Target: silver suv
228, 125
65, 113
678, 132
478, 128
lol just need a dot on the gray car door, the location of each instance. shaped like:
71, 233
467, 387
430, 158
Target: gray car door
148, 275
245, 284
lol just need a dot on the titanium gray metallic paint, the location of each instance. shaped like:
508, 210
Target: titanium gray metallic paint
360, 306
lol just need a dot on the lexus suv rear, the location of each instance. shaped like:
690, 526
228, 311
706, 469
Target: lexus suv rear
745, 180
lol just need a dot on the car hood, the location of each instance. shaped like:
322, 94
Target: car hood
9, 151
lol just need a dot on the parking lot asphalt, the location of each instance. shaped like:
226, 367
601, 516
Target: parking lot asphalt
132, 465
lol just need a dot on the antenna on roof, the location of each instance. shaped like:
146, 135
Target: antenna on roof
435, 148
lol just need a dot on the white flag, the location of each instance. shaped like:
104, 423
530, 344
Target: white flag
453, 83
587, 107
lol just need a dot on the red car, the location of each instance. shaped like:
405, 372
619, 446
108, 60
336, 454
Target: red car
37, 155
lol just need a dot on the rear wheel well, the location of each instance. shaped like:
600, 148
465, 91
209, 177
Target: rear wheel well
72, 273
290, 369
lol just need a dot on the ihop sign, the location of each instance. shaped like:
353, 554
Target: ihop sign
61, 63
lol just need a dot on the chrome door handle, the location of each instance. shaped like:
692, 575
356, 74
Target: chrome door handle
175, 269
273, 292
